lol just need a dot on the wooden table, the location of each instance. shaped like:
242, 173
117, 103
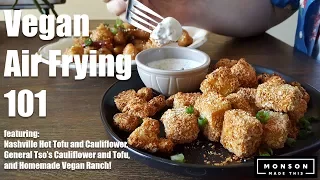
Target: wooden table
73, 106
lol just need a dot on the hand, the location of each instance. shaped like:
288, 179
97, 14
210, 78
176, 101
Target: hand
117, 7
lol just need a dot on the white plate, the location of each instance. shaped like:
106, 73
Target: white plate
199, 38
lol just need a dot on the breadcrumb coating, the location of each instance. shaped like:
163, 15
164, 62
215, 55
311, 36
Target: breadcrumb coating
126, 122
245, 73
282, 97
293, 129
182, 99
145, 93
241, 133
137, 107
305, 94
225, 63
102, 33
250, 95
212, 106
299, 111
239, 102
156, 104
146, 137
272, 78
180, 126
275, 131
220, 80
122, 98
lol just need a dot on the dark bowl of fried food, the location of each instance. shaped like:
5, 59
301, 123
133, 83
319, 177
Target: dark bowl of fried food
240, 112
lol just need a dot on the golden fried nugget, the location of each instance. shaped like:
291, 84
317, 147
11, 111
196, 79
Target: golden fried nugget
122, 98
156, 104
239, 102
137, 107
272, 78
131, 50
165, 145
299, 111
305, 94
185, 39
220, 80
249, 94
282, 97
182, 99
241, 133
275, 131
76, 49
293, 129
212, 106
180, 126
102, 33
145, 137
245, 73
225, 63
126, 122
145, 93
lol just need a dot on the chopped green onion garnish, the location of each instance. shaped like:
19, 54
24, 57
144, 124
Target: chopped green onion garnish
270, 151
202, 122
114, 30
263, 116
88, 42
119, 23
178, 158
304, 123
106, 24
264, 154
291, 142
313, 119
303, 134
190, 110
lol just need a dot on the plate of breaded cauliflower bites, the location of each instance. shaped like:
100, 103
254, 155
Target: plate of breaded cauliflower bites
240, 111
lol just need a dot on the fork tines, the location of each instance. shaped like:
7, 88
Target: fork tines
135, 15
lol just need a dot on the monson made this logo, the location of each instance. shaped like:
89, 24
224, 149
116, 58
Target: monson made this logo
289, 167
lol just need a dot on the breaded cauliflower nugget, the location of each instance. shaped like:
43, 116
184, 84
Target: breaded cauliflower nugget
102, 33
212, 106
182, 99
275, 131
156, 104
126, 122
180, 126
241, 133
145, 93
145, 137
305, 94
137, 107
239, 102
245, 73
220, 80
299, 111
122, 98
225, 63
282, 97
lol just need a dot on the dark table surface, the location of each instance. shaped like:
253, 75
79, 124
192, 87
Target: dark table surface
73, 111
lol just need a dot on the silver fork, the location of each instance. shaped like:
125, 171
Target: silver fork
134, 14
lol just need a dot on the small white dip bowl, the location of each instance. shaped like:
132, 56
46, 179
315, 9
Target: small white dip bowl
169, 82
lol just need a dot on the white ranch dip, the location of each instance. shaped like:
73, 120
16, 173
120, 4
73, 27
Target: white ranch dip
174, 64
168, 30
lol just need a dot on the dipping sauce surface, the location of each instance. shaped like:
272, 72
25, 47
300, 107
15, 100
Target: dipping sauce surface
174, 64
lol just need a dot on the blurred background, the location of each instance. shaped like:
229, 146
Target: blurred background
97, 10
